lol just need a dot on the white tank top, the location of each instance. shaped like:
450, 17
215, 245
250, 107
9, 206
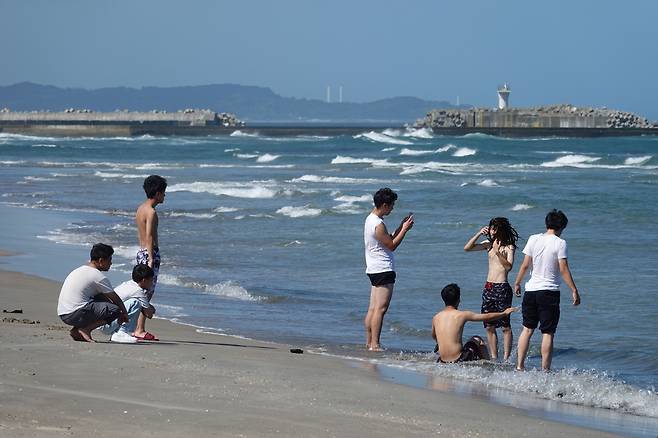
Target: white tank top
378, 257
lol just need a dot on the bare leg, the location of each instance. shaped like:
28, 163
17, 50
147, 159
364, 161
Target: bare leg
546, 350
524, 344
140, 330
368, 320
508, 338
382, 299
492, 340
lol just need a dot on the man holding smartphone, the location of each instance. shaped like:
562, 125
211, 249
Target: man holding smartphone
380, 262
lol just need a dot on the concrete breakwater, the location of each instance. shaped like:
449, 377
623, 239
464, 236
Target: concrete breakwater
565, 118
562, 120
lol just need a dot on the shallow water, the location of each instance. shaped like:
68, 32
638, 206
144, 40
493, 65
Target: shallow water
262, 237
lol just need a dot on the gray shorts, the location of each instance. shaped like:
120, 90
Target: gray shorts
96, 310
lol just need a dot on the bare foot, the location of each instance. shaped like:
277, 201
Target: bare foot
376, 348
86, 335
76, 335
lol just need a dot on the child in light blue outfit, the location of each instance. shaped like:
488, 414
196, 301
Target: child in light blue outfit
135, 296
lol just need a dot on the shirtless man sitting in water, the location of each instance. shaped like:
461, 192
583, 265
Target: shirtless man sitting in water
448, 326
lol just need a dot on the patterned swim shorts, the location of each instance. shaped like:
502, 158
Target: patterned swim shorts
143, 259
496, 297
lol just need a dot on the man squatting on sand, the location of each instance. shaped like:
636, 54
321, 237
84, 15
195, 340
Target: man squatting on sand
547, 254
380, 262
497, 293
87, 300
146, 219
134, 294
448, 326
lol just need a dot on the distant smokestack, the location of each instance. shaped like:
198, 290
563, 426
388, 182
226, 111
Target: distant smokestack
328, 93
340, 94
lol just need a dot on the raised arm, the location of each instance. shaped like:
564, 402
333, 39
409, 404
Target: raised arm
568, 279
527, 261
393, 241
472, 244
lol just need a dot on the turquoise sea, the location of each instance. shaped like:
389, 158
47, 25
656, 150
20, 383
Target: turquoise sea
263, 238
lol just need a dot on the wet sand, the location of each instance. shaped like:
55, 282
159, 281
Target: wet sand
210, 385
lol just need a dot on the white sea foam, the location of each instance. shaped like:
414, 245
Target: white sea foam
571, 160
191, 215
392, 132
295, 212
584, 388
231, 150
488, 183
353, 199
637, 161
235, 190
351, 160
266, 158
12, 162
382, 138
464, 152
332, 179
418, 133
246, 156
521, 207
119, 175
225, 209
44, 145
126, 251
67, 238
38, 178
226, 289
388, 149
415, 152
238, 133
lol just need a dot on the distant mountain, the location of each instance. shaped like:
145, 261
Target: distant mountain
250, 103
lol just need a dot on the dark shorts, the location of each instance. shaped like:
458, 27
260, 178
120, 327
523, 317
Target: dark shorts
496, 297
96, 310
470, 351
543, 307
382, 278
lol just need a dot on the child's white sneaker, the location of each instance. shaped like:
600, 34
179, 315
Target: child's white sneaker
123, 338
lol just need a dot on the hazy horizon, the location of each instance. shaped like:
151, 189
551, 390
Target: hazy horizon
587, 53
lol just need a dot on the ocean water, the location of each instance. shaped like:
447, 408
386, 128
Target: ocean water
262, 237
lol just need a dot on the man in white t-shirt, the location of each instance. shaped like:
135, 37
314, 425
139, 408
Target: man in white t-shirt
380, 263
546, 256
87, 300
135, 296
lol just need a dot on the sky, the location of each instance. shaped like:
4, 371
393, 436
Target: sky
582, 52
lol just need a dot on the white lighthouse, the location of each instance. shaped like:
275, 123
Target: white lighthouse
503, 96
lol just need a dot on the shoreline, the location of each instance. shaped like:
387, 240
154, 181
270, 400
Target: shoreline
196, 381
378, 367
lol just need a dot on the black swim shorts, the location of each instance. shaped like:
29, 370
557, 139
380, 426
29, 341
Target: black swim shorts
382, 278
470, 351
496, 297
543, 307
96, 310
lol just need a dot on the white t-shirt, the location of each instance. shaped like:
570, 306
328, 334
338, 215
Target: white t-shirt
130, 289
545, 250
79, 287
378, 257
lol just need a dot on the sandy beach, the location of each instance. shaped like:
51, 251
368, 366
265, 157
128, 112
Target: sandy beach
210, 385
